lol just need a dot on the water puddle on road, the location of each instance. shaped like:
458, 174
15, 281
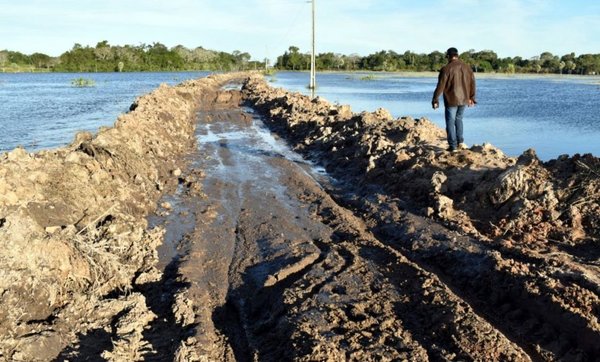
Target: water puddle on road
253, 144
239, 155
175, 214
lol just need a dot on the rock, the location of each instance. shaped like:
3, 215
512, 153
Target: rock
183, 309
344, 112
9, 198
18, 154
52, 229
138, 179
383, 114
437, 181
74, 157
444, 206
368, 118
176, 172
81, 137
528, 158
153, 275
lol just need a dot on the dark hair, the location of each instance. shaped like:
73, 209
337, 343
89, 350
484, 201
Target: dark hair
452, 52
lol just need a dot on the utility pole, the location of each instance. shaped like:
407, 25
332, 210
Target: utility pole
313, 81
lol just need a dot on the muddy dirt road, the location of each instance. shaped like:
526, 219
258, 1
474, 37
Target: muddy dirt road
277, 270
265, 256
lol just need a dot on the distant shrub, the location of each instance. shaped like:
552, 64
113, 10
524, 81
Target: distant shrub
83, 82
270, 71
368, 77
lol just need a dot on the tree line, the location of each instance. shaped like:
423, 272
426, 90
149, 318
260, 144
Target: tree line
158, 57
130, 58
481, 61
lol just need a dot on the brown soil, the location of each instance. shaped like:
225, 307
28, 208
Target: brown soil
187, 233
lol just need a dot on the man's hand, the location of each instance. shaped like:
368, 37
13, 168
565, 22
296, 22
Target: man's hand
471, 103
435, 104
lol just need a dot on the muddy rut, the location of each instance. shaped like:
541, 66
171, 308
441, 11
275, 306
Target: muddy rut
282, 238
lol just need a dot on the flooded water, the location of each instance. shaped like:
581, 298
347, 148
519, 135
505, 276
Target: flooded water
254, 143
40, 111
553, 115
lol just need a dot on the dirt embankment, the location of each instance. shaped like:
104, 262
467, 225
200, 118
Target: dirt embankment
480, 189
526, 252
73, 227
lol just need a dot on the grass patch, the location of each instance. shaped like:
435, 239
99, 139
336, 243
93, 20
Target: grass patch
368, 77
270, 71
83, 82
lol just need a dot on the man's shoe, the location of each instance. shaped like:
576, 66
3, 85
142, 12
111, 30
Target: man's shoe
451, 149
462, 146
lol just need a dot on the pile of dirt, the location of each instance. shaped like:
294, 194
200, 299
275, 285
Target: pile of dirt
516, 238
480, 189
74, 239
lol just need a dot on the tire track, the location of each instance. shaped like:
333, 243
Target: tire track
496, 282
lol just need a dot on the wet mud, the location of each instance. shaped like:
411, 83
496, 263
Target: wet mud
203, 227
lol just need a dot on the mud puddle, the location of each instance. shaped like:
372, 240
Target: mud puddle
250, 145
175, 216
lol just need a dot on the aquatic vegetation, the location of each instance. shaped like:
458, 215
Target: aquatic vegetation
83, 82
368, 77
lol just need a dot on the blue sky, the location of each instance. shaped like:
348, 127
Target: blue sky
266, 28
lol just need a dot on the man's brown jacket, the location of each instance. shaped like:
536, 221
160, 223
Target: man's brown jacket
457, 82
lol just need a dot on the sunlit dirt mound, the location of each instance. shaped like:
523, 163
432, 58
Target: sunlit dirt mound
73, 225
480, 189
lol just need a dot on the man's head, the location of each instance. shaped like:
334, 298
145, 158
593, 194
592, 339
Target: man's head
452, 53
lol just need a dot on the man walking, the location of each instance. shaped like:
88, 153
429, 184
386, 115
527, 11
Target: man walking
457, 82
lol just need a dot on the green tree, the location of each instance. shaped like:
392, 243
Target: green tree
241, 59
18, 58
41, 60
436, 60
589, 64
549, 62
295, 59
3, 58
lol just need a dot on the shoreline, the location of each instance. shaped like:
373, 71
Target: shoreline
412, 74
